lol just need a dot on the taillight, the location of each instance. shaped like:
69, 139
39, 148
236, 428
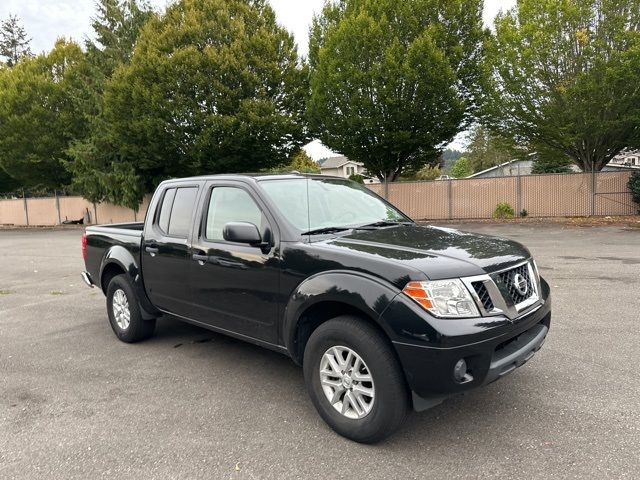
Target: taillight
84, 246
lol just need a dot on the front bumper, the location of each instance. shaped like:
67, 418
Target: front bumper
492, 347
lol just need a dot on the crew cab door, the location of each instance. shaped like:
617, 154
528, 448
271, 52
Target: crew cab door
235, 286
166, 252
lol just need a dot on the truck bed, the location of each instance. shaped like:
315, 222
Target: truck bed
128, 229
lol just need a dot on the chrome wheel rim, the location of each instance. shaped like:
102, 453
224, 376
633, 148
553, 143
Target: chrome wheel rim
347, 382
121, 311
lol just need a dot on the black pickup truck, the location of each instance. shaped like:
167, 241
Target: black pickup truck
381, 313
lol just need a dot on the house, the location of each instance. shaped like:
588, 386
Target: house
506, 169
524, 167
341, 166
628, 158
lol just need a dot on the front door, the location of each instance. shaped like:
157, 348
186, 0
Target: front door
235, 286
166, 253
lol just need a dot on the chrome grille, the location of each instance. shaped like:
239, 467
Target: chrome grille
508, 277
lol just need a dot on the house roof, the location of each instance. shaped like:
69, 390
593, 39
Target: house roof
511, 162
335, 162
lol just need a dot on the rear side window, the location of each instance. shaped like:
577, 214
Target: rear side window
165, 209
182, 210
176, 211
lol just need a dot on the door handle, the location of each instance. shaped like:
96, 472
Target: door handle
152, 250
201, 259
227, 263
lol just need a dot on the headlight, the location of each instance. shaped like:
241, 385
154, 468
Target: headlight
443, 298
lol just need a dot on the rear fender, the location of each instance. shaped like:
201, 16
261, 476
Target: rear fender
120, 256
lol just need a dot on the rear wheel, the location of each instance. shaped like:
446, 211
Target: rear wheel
355, 380
124, 312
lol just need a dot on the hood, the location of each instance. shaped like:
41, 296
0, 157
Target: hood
436, 251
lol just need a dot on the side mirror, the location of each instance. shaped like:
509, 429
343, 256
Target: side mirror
242, 232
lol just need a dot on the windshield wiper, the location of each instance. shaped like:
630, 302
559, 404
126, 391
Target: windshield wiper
381, 223
320, 231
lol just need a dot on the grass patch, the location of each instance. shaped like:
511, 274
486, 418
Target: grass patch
57, 292
6, 292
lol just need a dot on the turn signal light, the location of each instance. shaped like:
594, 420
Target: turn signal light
416, 291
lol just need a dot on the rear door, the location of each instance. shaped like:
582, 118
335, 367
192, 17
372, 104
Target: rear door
237, 287
166, 249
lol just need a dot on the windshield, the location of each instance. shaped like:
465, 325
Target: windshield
333, 203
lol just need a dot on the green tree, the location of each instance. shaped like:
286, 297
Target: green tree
487, 150
116, 27
14, 42
8, 184
39, 99
301, 162
551, 161
634, 186
565, 77
213, 86
430, 172
391, 82
461, 168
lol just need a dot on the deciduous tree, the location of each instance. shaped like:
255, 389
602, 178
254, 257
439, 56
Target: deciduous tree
565, 77
213, 86
461, 168
39, 104
392, 82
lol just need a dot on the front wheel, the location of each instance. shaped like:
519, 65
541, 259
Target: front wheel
355, 380
124, 312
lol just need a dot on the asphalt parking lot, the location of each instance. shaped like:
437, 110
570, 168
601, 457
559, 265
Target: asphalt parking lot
77, 403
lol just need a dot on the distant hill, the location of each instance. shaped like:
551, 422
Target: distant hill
449, 157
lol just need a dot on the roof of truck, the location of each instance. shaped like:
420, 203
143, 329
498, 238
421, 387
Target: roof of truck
256, 176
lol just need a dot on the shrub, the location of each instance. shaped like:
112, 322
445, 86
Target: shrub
503, 210
356, 177
524, 213
634, 186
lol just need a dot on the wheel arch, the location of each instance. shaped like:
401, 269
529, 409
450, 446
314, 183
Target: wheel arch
118, 260
328, 295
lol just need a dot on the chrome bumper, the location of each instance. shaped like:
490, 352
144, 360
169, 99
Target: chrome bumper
86, 278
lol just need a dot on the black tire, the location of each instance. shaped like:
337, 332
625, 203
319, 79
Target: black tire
138, 328
391, 403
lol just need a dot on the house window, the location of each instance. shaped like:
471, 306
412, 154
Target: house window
351, 171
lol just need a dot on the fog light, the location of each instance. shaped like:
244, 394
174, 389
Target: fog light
460, 371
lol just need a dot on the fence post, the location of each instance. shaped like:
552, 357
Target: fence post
26, 208
593, 190
55, 192
386, 187
518, 194
450, 196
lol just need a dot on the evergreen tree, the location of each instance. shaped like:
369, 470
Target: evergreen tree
14, 42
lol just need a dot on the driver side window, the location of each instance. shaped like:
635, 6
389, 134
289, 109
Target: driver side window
231, 204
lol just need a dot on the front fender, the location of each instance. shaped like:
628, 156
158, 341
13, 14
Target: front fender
366, 293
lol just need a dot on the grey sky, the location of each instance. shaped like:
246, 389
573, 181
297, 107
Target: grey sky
46, 20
